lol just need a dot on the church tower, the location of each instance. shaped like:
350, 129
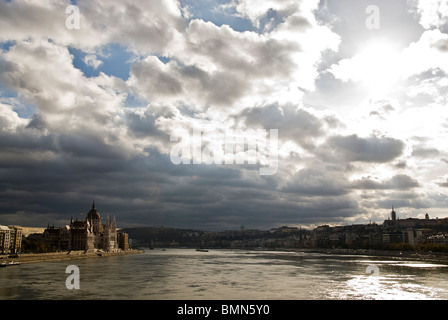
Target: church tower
393, 214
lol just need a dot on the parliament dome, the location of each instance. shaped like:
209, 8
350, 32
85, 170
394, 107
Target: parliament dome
93, 214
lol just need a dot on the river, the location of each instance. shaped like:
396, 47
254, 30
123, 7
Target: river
186, 274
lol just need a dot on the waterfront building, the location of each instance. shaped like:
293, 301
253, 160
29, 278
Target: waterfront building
10, 239
123, 241
5, 239
57, 238
89, 234
15, 242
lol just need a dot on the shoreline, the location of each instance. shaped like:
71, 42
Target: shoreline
404, 255
428, 256
26, 258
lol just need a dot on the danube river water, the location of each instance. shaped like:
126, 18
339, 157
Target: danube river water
186, 274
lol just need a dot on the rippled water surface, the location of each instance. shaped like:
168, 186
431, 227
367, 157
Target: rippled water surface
227, 274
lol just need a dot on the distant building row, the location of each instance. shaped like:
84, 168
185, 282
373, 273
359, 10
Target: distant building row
410, 231
10, 239
393, 233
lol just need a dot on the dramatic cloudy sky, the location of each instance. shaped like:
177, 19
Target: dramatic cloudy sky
358, 96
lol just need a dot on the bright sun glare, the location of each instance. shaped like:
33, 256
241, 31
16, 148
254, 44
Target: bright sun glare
378, 67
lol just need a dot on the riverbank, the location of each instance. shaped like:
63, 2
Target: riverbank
439, 257
60, 256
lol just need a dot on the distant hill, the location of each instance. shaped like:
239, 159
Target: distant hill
148, 235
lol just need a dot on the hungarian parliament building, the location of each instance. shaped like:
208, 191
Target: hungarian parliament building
88, 234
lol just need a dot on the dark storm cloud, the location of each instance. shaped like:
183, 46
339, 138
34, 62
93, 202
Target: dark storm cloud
405, 199
293, 123
444, 184
425, 152
26, 140
144, 125
257, 208
151, 190
317, 182
353, 148
398, 182
140, 189
37, 122
441, 45
400, 165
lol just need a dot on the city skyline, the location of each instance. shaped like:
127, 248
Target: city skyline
344, 100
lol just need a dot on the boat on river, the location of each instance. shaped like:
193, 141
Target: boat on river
12, 263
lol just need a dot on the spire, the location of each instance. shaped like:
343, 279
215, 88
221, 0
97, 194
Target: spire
93, 205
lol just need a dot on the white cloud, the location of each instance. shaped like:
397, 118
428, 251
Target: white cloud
426, 54
382, 70
148, 26
10, 120
255, 10
220, 66
433, 13
54, 86
210, 64
92, 61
